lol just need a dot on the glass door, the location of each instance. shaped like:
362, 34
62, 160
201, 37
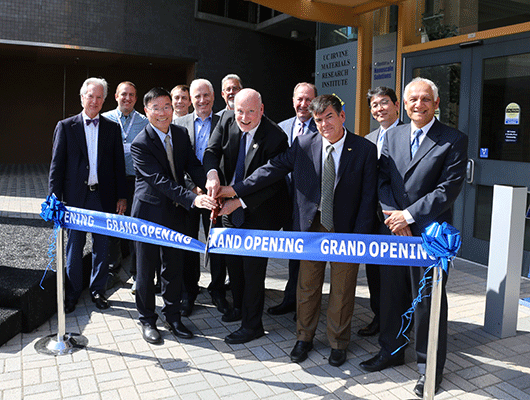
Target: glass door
486, 89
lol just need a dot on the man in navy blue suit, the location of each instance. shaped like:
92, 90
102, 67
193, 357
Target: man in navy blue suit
422, 168
334, 176
88, 171
162, 153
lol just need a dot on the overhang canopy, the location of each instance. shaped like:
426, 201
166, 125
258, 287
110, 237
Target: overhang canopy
340, 12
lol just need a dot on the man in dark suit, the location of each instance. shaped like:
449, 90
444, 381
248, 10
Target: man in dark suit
88, 171
200, 124
334, 178
242, 142
162, 153
422, 169
384, 107
302, 123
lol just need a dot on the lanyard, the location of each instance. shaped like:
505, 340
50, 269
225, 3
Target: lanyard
124, 132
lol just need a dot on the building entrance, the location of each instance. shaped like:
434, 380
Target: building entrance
484, 88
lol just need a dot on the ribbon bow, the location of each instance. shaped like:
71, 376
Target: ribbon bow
441, 241
53, 210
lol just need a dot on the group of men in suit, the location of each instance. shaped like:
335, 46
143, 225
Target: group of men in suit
307, 174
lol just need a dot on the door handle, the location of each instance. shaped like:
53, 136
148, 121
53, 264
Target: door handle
470, 171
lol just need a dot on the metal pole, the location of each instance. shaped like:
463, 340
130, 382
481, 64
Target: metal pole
61, 317
61, 343
434, 328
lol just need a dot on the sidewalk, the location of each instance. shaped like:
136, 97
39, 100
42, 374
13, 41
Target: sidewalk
119, 364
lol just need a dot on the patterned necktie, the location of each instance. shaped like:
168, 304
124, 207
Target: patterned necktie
92, 121
238, 216
328, 187
300, 131
415, 142
169, 152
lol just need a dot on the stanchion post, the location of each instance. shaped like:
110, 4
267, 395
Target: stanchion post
505, 259
61, 343
61, 317
434, 329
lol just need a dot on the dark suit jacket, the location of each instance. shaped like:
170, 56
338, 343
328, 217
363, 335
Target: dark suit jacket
156, 193
382, 228
69, 166
428, 184
355, 193
269, 207
289, 124
374, 135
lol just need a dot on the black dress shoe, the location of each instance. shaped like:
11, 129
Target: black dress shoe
244, 335
380, 362
100, 301
337, 357
186, 307
180, 330
220, 302
370, 330
69, 306
300, 350
151, 334
420, 385
282, 308
234, 314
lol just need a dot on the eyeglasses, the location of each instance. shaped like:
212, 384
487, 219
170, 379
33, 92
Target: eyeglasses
382, 103
159, 110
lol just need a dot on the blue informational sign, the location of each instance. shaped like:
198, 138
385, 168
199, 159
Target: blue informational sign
484, 152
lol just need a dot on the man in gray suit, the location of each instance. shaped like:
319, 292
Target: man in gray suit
200, 124
384, 107
422, 168
302, 123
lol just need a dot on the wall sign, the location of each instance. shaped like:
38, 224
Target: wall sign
336, 73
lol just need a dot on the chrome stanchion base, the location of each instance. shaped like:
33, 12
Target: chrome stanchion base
53, 346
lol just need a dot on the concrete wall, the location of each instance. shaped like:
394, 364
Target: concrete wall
159, 36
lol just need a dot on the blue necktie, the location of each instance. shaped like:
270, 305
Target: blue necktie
415, 142
238, 216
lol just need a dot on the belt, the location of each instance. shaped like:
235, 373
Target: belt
93, 188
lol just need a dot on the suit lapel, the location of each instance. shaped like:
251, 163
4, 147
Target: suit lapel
427, 144
255, 144
79, 132
346, 155
234, 137
159, 149
316, 152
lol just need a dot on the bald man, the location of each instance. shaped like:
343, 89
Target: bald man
243, 140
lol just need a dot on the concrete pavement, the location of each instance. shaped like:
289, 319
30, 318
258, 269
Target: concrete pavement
119, 364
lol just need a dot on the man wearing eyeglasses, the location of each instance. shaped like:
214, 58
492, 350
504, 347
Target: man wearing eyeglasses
384, 107
162, 154
230, 85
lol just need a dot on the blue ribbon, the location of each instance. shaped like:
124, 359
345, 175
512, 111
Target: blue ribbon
52, 210
441, 241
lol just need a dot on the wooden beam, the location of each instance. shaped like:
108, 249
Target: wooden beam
314, 11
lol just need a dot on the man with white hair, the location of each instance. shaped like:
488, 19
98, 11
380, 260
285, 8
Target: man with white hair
88, 171
422, 169
200, 124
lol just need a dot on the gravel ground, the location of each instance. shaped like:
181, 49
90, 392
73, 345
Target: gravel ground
24, 242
